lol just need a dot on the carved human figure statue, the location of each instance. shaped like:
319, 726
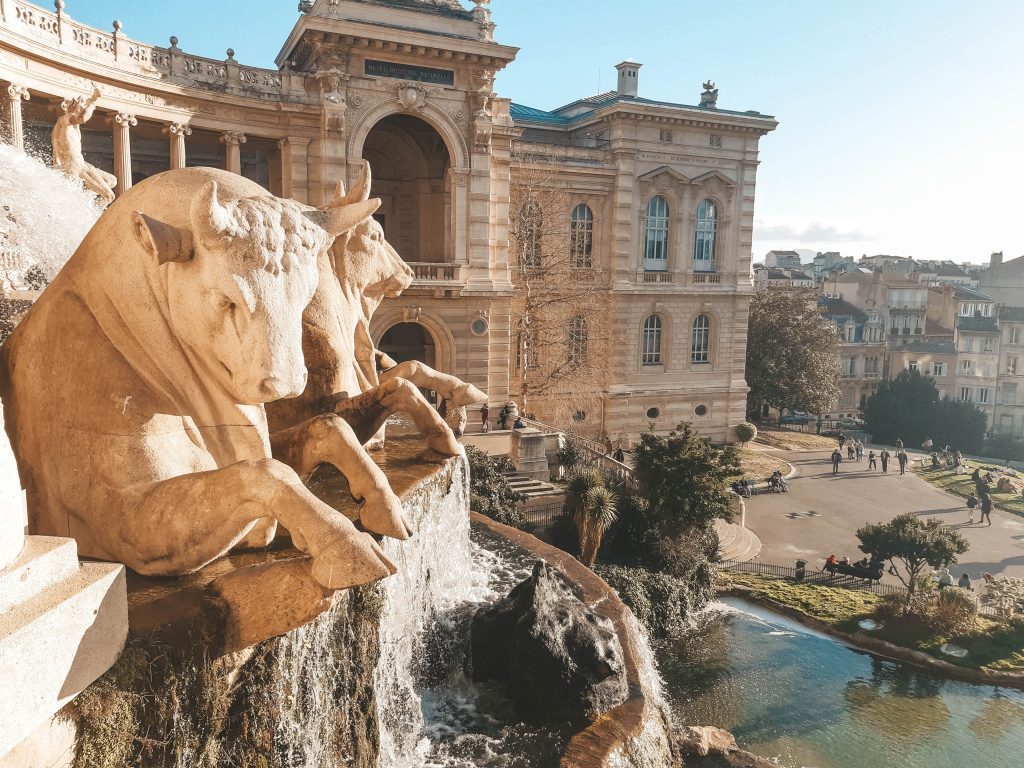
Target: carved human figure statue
67, 147
134, 390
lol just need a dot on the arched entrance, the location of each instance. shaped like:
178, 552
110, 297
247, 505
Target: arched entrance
410, 163
409, 341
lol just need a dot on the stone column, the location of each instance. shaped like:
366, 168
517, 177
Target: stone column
123, 123
15, 95
233, 140
294, 173
177, 133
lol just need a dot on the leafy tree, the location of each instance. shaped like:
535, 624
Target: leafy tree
912, 544
592, 507
908, 407
792, 362
489, 491
683, 479
745, 432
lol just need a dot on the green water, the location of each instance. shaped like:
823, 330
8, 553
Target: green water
801, 697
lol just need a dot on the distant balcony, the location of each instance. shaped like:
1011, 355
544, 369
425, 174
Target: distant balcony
431, 275
656, 277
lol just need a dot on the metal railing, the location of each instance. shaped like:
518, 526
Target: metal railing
542, 515
813, 575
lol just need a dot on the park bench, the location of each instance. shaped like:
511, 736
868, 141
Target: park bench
868, 574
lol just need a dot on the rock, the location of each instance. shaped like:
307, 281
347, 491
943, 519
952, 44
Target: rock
557, 656
706, 740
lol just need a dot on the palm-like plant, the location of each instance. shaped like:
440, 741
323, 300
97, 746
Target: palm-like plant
592, 507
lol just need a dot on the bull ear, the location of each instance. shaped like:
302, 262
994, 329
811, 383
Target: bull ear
337, 221
161, 241
207, 215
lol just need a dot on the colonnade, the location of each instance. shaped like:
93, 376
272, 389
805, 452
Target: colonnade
291, 149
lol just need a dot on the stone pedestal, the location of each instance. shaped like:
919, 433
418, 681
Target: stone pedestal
529, 454
62, 623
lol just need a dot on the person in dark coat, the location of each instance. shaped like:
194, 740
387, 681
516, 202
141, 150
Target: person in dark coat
986, 509
884, 458
836, 458
901, 457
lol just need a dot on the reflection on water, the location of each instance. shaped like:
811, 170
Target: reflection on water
791, 693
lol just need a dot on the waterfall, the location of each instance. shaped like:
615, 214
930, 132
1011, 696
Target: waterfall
44, 215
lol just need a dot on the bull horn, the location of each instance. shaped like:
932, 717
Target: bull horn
338, 220
161, 240
361, 190
206, 213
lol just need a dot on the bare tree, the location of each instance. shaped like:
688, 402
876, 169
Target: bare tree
562, 309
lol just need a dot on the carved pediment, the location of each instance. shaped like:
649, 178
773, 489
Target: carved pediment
717, 184
663, 176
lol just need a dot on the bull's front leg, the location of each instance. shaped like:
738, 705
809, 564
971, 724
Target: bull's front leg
453, 389
329, 439
179, 525
368, 412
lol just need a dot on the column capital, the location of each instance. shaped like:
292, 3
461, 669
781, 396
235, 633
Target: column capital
233, 138
177, 129
125, 119
16, 92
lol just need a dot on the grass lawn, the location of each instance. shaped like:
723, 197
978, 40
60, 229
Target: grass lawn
791, 440
962, 485
758, 465
993, 644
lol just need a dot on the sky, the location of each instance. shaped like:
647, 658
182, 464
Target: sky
901, 122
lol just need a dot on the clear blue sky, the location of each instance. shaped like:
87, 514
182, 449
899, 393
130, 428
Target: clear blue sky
901, 121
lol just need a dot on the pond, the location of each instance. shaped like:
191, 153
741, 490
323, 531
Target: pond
790, 693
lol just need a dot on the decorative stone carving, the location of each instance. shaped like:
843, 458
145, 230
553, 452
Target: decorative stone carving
348, 377
67, 146
482, 16
178, 316
412, 96
709, 98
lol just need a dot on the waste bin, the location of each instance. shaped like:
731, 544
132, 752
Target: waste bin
801, 565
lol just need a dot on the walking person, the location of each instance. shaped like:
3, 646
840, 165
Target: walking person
901, 457
972, 502
485, 421
851, 449
836, 458
986, 509
872, 462
859, 448
884, 456
899, 445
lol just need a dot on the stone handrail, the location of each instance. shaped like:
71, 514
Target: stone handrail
593, 453
58, 31
432, 272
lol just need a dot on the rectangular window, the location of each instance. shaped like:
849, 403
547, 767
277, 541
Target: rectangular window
967, 367
965, 394
983, 394
912, 366
938, 369
967, 345
987, 345
1013, 335
1008, 394
1011, 364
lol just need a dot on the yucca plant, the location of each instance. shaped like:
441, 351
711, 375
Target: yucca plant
592, 507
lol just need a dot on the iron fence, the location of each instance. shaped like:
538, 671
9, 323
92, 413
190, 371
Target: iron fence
812, 575
542, 515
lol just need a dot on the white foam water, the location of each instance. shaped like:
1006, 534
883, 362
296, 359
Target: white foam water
44, 215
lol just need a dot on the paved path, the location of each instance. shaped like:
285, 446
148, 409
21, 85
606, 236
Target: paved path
821, 513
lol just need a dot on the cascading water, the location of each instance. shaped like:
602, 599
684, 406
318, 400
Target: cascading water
44, 215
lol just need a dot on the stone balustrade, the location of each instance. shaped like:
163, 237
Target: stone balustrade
431, 273
56, 30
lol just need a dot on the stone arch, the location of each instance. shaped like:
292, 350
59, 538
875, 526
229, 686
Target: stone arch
428, 113
444, 340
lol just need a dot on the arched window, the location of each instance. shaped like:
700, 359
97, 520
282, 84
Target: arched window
700, 346
704, 237
581, 237
656, 235
530, 229
578, 340
651, 347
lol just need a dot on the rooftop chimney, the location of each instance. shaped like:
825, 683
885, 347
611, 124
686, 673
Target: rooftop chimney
629, 72
997, 260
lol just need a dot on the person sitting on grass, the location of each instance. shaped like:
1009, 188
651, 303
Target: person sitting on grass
965, 583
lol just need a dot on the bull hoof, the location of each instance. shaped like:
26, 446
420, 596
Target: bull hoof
444, 443
386, 518
350, 561
467, 394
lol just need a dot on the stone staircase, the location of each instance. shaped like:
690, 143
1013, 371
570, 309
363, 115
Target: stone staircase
530, 487
736, 543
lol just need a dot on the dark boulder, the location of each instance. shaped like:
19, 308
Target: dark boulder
558, 658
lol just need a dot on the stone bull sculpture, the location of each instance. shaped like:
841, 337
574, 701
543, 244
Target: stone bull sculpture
134, 388
348, 376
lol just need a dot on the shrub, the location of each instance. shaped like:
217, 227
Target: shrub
1004, 447
1006, 595
570, 451
489, 491
745, 432
660, 601
953, 612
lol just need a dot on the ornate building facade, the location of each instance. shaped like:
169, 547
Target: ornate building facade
409, 85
